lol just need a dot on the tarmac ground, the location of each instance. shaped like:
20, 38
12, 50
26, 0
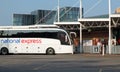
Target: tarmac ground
60, 63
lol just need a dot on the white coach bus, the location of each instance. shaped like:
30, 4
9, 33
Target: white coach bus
34, 40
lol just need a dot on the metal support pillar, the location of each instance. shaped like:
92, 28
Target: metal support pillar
109, 42
81, 45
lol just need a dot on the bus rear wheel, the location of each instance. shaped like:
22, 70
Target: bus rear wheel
4, 51
50, 51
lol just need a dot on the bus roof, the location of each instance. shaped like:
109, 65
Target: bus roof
29, 27
32, 27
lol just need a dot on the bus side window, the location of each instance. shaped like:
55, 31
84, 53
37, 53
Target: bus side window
3, 33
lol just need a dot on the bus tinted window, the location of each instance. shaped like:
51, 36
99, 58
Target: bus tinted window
36, 34
3, 33
32, 34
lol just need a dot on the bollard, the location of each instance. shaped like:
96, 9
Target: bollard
103, 50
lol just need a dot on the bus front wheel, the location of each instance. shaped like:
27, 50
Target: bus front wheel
50, 51
4, 51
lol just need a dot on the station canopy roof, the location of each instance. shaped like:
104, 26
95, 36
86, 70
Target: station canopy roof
92, 22
101, 21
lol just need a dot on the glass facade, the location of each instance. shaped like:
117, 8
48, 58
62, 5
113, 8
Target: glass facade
44, 16
69, 14
23, 19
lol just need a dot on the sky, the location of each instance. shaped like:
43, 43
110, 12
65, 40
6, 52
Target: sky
91, 7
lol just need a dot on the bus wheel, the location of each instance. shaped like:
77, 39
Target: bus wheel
50, 51
4, 51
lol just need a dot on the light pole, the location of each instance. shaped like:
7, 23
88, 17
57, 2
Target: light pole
58, 11
80, 8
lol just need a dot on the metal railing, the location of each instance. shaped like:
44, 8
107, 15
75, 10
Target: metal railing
96, 49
